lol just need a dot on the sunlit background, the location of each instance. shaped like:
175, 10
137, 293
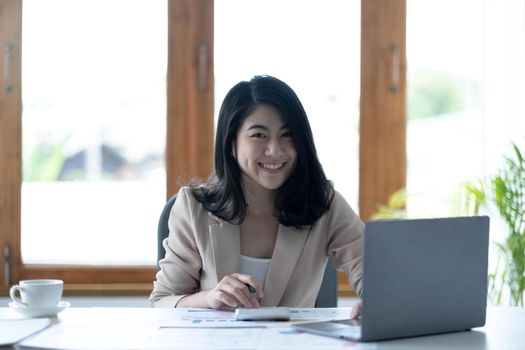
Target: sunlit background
94, 126
94, 106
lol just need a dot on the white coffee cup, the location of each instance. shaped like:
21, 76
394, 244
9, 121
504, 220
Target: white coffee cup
37, 293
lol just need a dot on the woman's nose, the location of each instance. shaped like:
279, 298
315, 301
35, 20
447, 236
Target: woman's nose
274, 147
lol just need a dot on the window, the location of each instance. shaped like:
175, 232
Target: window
93, 180
315, 51
184, 155
466, 80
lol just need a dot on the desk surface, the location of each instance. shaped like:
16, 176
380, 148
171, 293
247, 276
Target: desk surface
144, 328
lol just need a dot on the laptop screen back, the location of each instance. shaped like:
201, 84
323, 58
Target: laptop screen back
424, 276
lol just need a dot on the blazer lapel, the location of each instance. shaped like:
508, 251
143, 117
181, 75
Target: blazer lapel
288, 247
226, 246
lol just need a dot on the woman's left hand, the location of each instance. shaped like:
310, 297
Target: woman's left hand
356, 310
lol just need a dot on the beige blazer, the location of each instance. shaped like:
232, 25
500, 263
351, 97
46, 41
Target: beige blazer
202, 248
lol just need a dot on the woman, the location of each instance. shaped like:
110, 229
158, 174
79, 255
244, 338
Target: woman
259, 233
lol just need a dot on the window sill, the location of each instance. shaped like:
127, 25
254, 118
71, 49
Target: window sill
136, 289
100, 289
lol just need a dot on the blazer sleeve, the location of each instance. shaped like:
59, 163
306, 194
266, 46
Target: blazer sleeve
180, 269
345, 241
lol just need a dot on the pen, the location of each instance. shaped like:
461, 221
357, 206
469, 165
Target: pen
253, 291
250, 288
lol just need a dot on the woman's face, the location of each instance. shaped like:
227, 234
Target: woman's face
264, 149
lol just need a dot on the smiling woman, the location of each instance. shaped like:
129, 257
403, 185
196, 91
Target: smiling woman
267, 203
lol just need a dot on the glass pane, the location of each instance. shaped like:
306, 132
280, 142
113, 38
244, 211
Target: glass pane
314, 46
93, 77
466, 79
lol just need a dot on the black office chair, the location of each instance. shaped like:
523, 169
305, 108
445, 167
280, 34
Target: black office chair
327, 296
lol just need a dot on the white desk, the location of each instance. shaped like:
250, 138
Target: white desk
138, 328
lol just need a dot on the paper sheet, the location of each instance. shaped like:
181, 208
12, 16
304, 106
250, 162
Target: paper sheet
284, 338
204, 338
206, 318
12, 331
83, 337
289, 338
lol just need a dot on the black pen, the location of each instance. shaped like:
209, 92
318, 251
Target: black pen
250, 288
253, 291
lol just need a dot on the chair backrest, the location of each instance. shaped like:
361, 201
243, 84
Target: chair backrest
327, 296
163, 229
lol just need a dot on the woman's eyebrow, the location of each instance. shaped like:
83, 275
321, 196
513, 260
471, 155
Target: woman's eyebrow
259, 126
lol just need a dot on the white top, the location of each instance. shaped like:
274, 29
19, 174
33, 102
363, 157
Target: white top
255, 267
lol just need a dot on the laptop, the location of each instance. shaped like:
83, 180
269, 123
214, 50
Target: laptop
420, 277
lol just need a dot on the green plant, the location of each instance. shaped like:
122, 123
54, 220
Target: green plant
432, 93
506, 193
45, 161
396, 207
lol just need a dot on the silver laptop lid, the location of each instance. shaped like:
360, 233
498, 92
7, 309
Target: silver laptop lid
424, 276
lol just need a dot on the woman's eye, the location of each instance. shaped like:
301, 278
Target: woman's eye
259, 135
287, 134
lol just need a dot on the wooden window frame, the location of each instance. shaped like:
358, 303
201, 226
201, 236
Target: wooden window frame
190, 129
382, 121
189, 143
382, 147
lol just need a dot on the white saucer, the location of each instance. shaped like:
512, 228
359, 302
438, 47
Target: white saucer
32, 312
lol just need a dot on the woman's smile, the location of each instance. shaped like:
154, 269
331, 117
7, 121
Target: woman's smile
272, 167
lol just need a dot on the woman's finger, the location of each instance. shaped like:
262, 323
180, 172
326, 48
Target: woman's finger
225, 300
356, 310
240, 291
251, 281
234, 288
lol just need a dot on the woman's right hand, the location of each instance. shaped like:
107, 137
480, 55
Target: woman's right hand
232, 291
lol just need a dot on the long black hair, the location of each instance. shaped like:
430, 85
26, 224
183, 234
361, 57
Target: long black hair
305, 195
